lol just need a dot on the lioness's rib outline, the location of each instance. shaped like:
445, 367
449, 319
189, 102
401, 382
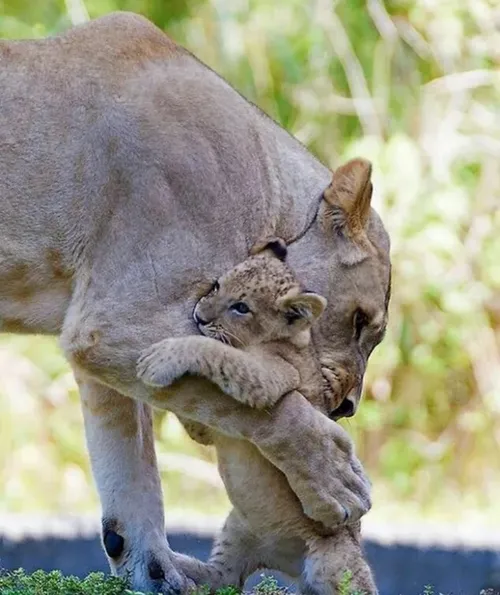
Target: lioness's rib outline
160, 154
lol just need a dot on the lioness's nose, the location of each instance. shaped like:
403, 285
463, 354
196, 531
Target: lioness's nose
345, 409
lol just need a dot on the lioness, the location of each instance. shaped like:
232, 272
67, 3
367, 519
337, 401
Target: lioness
256, 321
131, 175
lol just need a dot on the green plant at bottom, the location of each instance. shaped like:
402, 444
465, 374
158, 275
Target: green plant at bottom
17, 582
54, 583
345, 585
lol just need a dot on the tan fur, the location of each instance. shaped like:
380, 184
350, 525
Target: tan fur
261, 350
255, 376
131, 176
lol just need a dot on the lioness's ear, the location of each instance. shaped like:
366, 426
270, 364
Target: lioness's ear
276, 246
303, 308
347, 199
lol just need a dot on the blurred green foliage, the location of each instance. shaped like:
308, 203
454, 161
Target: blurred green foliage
412, 85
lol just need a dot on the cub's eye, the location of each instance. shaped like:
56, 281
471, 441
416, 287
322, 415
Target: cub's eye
240, 308
360, 321
215, 287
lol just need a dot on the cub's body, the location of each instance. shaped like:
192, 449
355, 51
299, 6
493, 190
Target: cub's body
260, 319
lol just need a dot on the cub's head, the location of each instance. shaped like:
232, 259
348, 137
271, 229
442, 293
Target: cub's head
259, 301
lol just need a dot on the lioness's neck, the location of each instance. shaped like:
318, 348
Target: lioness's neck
299, 178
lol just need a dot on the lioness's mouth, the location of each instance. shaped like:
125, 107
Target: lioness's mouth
332, 388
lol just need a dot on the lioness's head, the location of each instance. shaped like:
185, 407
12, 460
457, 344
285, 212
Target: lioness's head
345, 257
258, 301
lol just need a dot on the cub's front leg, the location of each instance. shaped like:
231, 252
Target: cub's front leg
255, 379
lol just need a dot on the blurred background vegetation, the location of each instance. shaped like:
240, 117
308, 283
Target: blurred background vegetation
414, 86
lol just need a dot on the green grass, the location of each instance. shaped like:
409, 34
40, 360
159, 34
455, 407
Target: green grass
54, 583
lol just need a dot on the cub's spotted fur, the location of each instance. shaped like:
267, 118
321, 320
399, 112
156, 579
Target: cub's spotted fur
256, 321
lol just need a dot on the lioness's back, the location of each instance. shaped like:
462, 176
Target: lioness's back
113, 115
108, 45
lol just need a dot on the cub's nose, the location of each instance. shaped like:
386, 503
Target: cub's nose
345, 409
199, 320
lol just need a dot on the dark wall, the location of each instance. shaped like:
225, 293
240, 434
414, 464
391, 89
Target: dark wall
399, 569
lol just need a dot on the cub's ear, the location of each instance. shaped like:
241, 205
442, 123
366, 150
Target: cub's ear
302, 308
276, 246
346, 204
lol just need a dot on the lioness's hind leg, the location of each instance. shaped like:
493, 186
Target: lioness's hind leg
335, 561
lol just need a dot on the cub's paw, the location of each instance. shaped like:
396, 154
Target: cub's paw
162, 364
249, 389
257, 397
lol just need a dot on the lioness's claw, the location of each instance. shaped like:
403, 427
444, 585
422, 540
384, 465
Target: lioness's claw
342, 497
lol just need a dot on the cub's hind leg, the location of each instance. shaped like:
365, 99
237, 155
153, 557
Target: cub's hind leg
233, 558
329, 559
237, 553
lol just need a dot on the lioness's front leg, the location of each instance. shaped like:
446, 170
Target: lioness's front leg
255, 379
315, 454
120, 441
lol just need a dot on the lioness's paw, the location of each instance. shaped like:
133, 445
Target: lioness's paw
339, 493
148, 567
336, 493
161, 364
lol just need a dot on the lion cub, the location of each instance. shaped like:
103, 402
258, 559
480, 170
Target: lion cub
259, 309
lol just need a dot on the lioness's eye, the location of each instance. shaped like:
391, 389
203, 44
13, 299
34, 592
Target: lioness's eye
360, 320
215, 287
240, 308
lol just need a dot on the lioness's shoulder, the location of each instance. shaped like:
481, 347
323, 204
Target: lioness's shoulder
123, 35
122, 19
117, 24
